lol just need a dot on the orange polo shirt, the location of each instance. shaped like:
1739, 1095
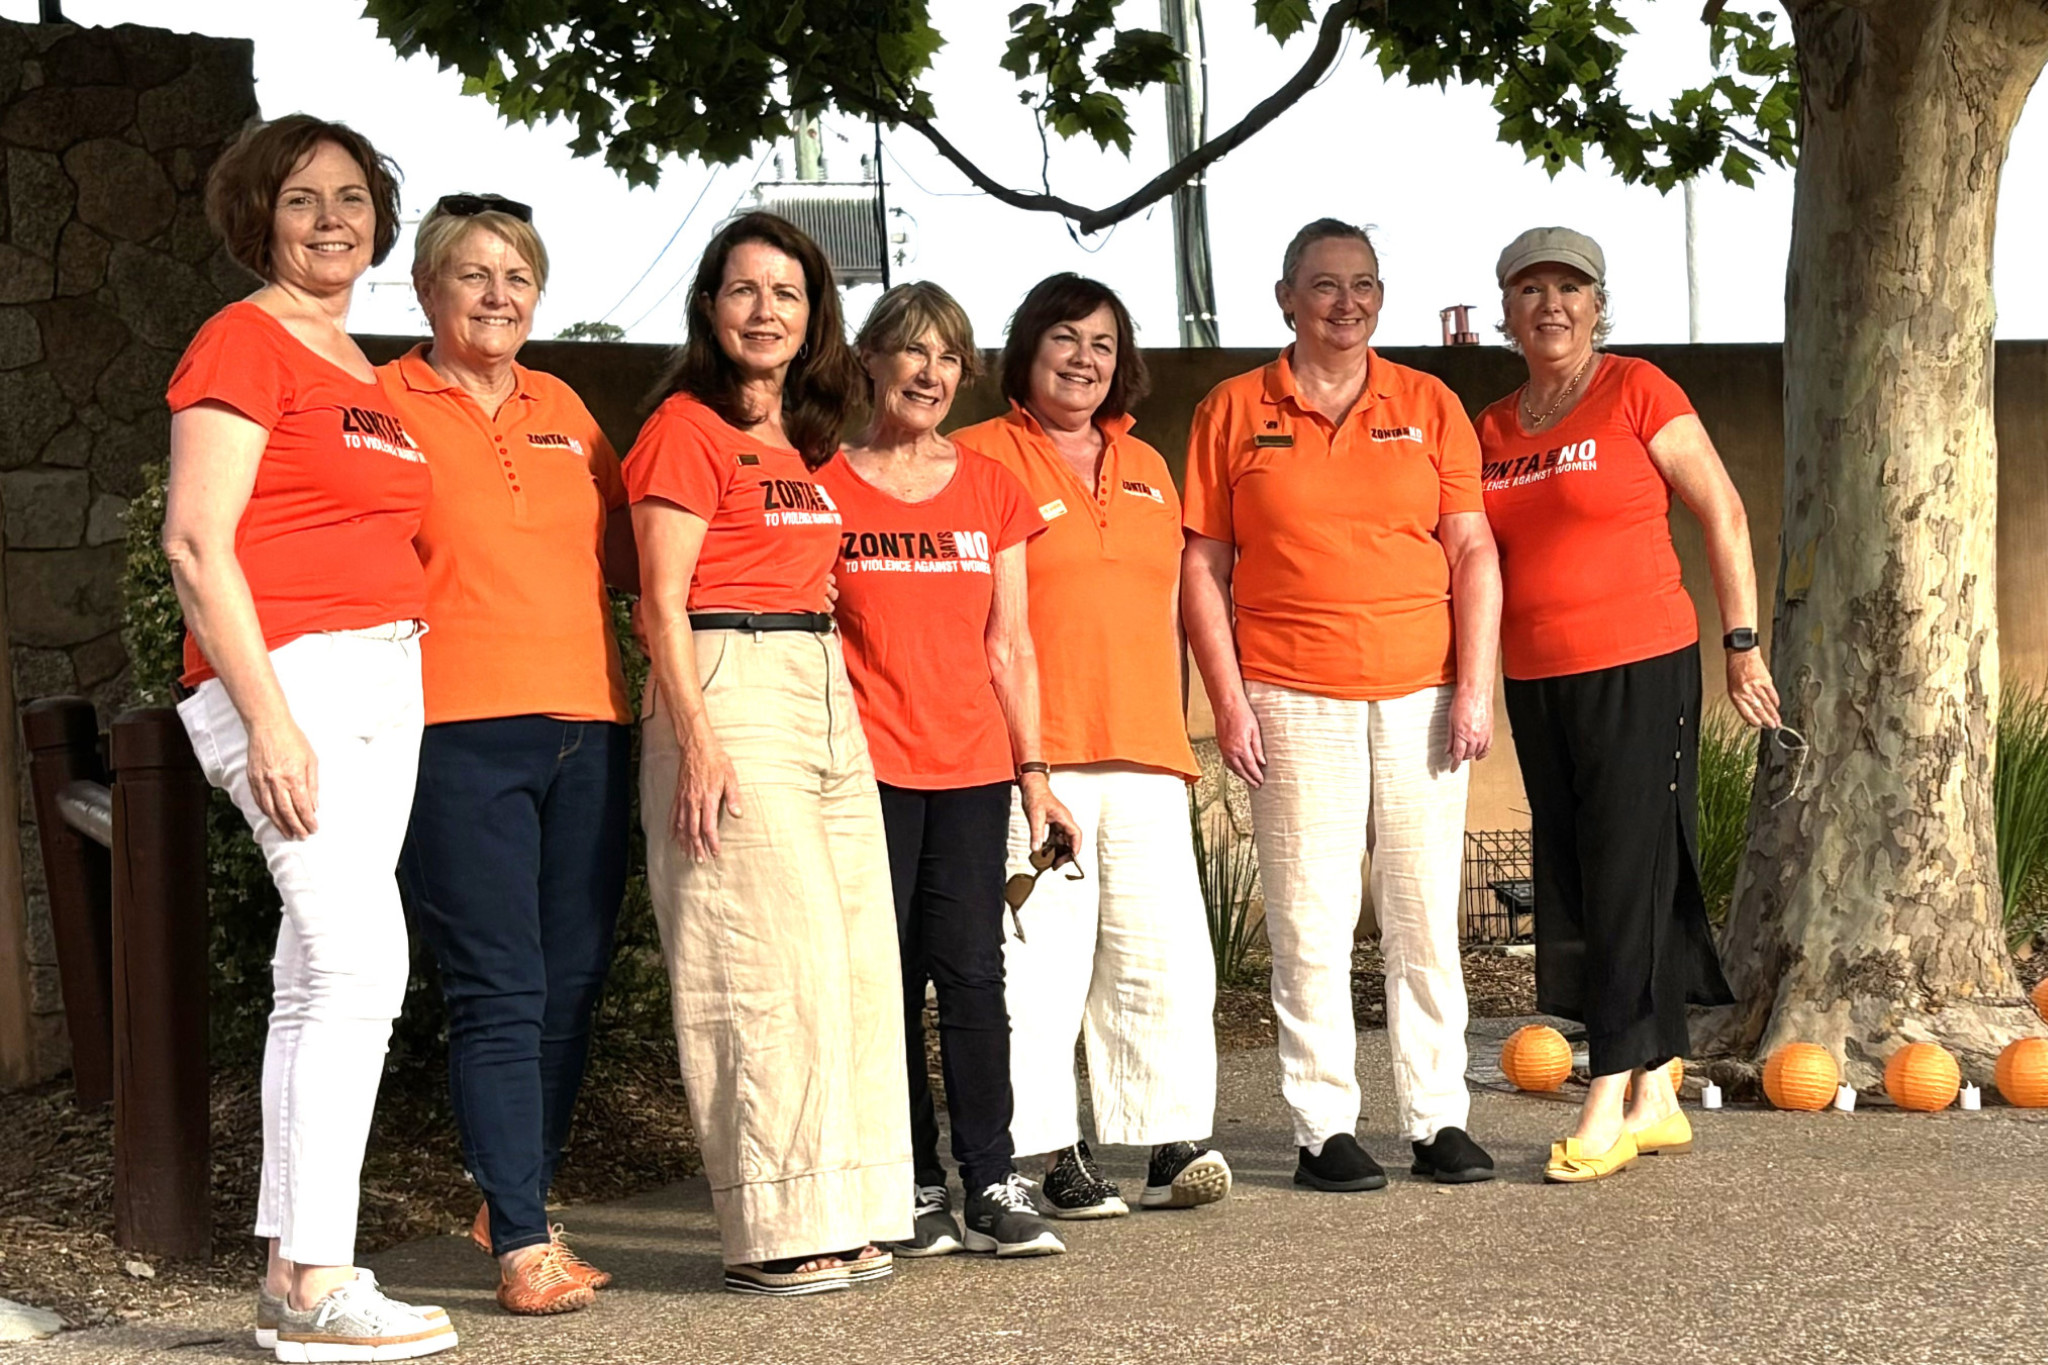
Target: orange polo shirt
513, 545
1103, 579
1341, 587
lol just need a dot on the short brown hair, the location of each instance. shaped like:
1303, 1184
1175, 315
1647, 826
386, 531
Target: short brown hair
907, 312
441, 234
818, 391
242, 189
1322, 230
1068, 297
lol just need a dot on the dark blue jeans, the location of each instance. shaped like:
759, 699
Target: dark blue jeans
513, 869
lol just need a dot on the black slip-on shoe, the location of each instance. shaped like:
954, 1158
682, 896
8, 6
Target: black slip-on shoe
1452, 1158
1343, 1166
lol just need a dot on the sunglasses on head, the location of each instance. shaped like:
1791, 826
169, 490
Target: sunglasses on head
470, 205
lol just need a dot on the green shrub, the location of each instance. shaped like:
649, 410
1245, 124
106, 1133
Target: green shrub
1227, 866
2020, 788
1727, 771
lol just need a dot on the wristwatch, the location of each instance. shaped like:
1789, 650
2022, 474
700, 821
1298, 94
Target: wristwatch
1739, 639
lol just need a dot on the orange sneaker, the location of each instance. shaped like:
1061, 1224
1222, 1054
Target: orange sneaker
480, 1229
541, 1285
578, 1268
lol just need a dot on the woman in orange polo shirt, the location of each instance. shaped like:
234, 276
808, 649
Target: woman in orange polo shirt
932, 604
1342, 602
766, 856
1601, 649
1120, 957
515, 861
293, 496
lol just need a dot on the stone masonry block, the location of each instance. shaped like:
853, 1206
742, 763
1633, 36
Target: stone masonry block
123, 448
60, 598
46, 508
70, 448
43, 673
81, 260
151, 56
39, 201
121, 189
107, 521
98, 661
82, 335
55, 117
161, 297
208, 104
20, 342
24, 276
36, 410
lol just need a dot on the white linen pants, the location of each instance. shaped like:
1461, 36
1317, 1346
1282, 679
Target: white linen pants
338, 976
1121, 958
1344, 778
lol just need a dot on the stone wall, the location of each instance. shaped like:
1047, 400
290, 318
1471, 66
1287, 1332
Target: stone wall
106, 268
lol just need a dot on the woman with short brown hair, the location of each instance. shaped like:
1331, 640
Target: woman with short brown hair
294, 494
766, 856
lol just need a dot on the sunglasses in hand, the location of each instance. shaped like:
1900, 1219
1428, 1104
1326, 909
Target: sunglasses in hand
1057, 851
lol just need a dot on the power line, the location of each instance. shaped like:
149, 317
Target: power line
687, 273
715, 171
890, 152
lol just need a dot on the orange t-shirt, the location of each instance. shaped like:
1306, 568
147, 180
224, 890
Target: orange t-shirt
1589, 578
326, 540
513, 546
916, 586
1104, 579
1341, 587
772, 532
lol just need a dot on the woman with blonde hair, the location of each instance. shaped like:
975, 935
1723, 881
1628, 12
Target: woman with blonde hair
938, 645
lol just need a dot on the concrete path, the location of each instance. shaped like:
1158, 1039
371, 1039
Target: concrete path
1879, 1236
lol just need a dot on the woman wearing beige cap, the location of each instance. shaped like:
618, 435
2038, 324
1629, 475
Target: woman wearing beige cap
1600, 645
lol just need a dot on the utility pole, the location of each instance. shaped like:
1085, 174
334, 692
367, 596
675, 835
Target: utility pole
1187, 127
810, 150
1692, 262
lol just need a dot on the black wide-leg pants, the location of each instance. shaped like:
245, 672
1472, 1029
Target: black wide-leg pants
1610, 762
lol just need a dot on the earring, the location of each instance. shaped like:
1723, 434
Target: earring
803, 350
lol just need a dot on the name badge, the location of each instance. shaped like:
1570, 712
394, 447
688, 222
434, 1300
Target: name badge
746, 459
1055, 508
1281, 441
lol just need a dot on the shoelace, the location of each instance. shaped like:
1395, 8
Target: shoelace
560, 1240
366, 1301
551, 1270
1011, 1194
1084, 1162
930, 1199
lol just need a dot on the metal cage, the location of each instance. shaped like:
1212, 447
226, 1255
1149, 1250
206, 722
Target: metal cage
841, 218
1500, 892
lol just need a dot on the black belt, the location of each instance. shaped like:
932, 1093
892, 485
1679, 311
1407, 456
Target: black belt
817, 622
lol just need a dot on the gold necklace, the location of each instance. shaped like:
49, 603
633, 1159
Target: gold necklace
1535, 422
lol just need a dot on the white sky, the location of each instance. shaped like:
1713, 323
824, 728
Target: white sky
1423, 166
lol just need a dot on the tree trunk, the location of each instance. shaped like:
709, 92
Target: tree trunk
1868, 910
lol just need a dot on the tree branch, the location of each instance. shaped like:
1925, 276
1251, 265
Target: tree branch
1329, 38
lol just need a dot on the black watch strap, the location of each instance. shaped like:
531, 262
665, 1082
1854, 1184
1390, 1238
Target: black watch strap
1739, 639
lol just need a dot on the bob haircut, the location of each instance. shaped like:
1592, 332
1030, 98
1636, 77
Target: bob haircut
242, 189
818, 391
909, 311
441, 234
1069, 298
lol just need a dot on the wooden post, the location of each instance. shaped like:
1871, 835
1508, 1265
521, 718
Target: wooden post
63, 743
17, 1021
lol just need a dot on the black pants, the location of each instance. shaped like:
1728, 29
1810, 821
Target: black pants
513, 869
946, 851
1610, 761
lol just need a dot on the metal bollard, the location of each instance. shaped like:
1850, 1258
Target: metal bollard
162, 1175
63, 735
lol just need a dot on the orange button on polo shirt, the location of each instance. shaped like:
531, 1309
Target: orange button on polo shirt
513, 544
1341, 587
1102, 582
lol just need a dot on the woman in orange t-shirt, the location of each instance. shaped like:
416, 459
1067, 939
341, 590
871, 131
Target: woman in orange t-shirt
766, 857
294, 493
932, 607
515, 861
1120, 956
1600, 647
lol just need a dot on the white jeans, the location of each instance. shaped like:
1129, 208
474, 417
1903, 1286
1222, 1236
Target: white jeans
1123, 959
1344, 778
338, 977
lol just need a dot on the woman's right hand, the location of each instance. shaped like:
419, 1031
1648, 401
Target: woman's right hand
706, 786
284, 777
1237, 736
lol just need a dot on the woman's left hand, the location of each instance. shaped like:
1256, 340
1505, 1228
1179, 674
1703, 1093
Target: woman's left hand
1042, 808
1471, 725
1750, 690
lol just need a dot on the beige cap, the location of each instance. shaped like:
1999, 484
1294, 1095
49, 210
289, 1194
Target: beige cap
1552, 246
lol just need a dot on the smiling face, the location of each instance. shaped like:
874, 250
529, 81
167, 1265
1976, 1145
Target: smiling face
481, 305
914, 387
1073, 366
1334, 296
761, 310
1551, 312
324, 228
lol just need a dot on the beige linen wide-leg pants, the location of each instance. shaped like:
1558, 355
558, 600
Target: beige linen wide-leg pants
1342, 776
782, 957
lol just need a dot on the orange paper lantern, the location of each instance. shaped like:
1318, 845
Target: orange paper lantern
2041, 997
1922, 1076
1675, 1069
2022, 1074
1536, 1057
1801, 1076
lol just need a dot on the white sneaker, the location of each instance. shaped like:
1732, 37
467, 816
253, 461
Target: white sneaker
357, 1322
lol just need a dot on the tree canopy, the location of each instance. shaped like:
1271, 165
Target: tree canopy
644, 80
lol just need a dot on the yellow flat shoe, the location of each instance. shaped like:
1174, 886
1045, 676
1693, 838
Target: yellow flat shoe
1572, 1164
1672, 1133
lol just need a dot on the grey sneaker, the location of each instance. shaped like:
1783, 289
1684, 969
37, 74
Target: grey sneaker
357, 1322
1002, 1219
268, 1308
932, 1230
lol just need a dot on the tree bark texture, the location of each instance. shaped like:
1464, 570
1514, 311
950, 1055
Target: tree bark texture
1868, 909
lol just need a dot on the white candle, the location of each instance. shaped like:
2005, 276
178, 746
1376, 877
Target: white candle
1973, 1098
1710, 1096
1845, 1099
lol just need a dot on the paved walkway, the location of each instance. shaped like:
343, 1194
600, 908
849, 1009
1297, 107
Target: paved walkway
1879, 1236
